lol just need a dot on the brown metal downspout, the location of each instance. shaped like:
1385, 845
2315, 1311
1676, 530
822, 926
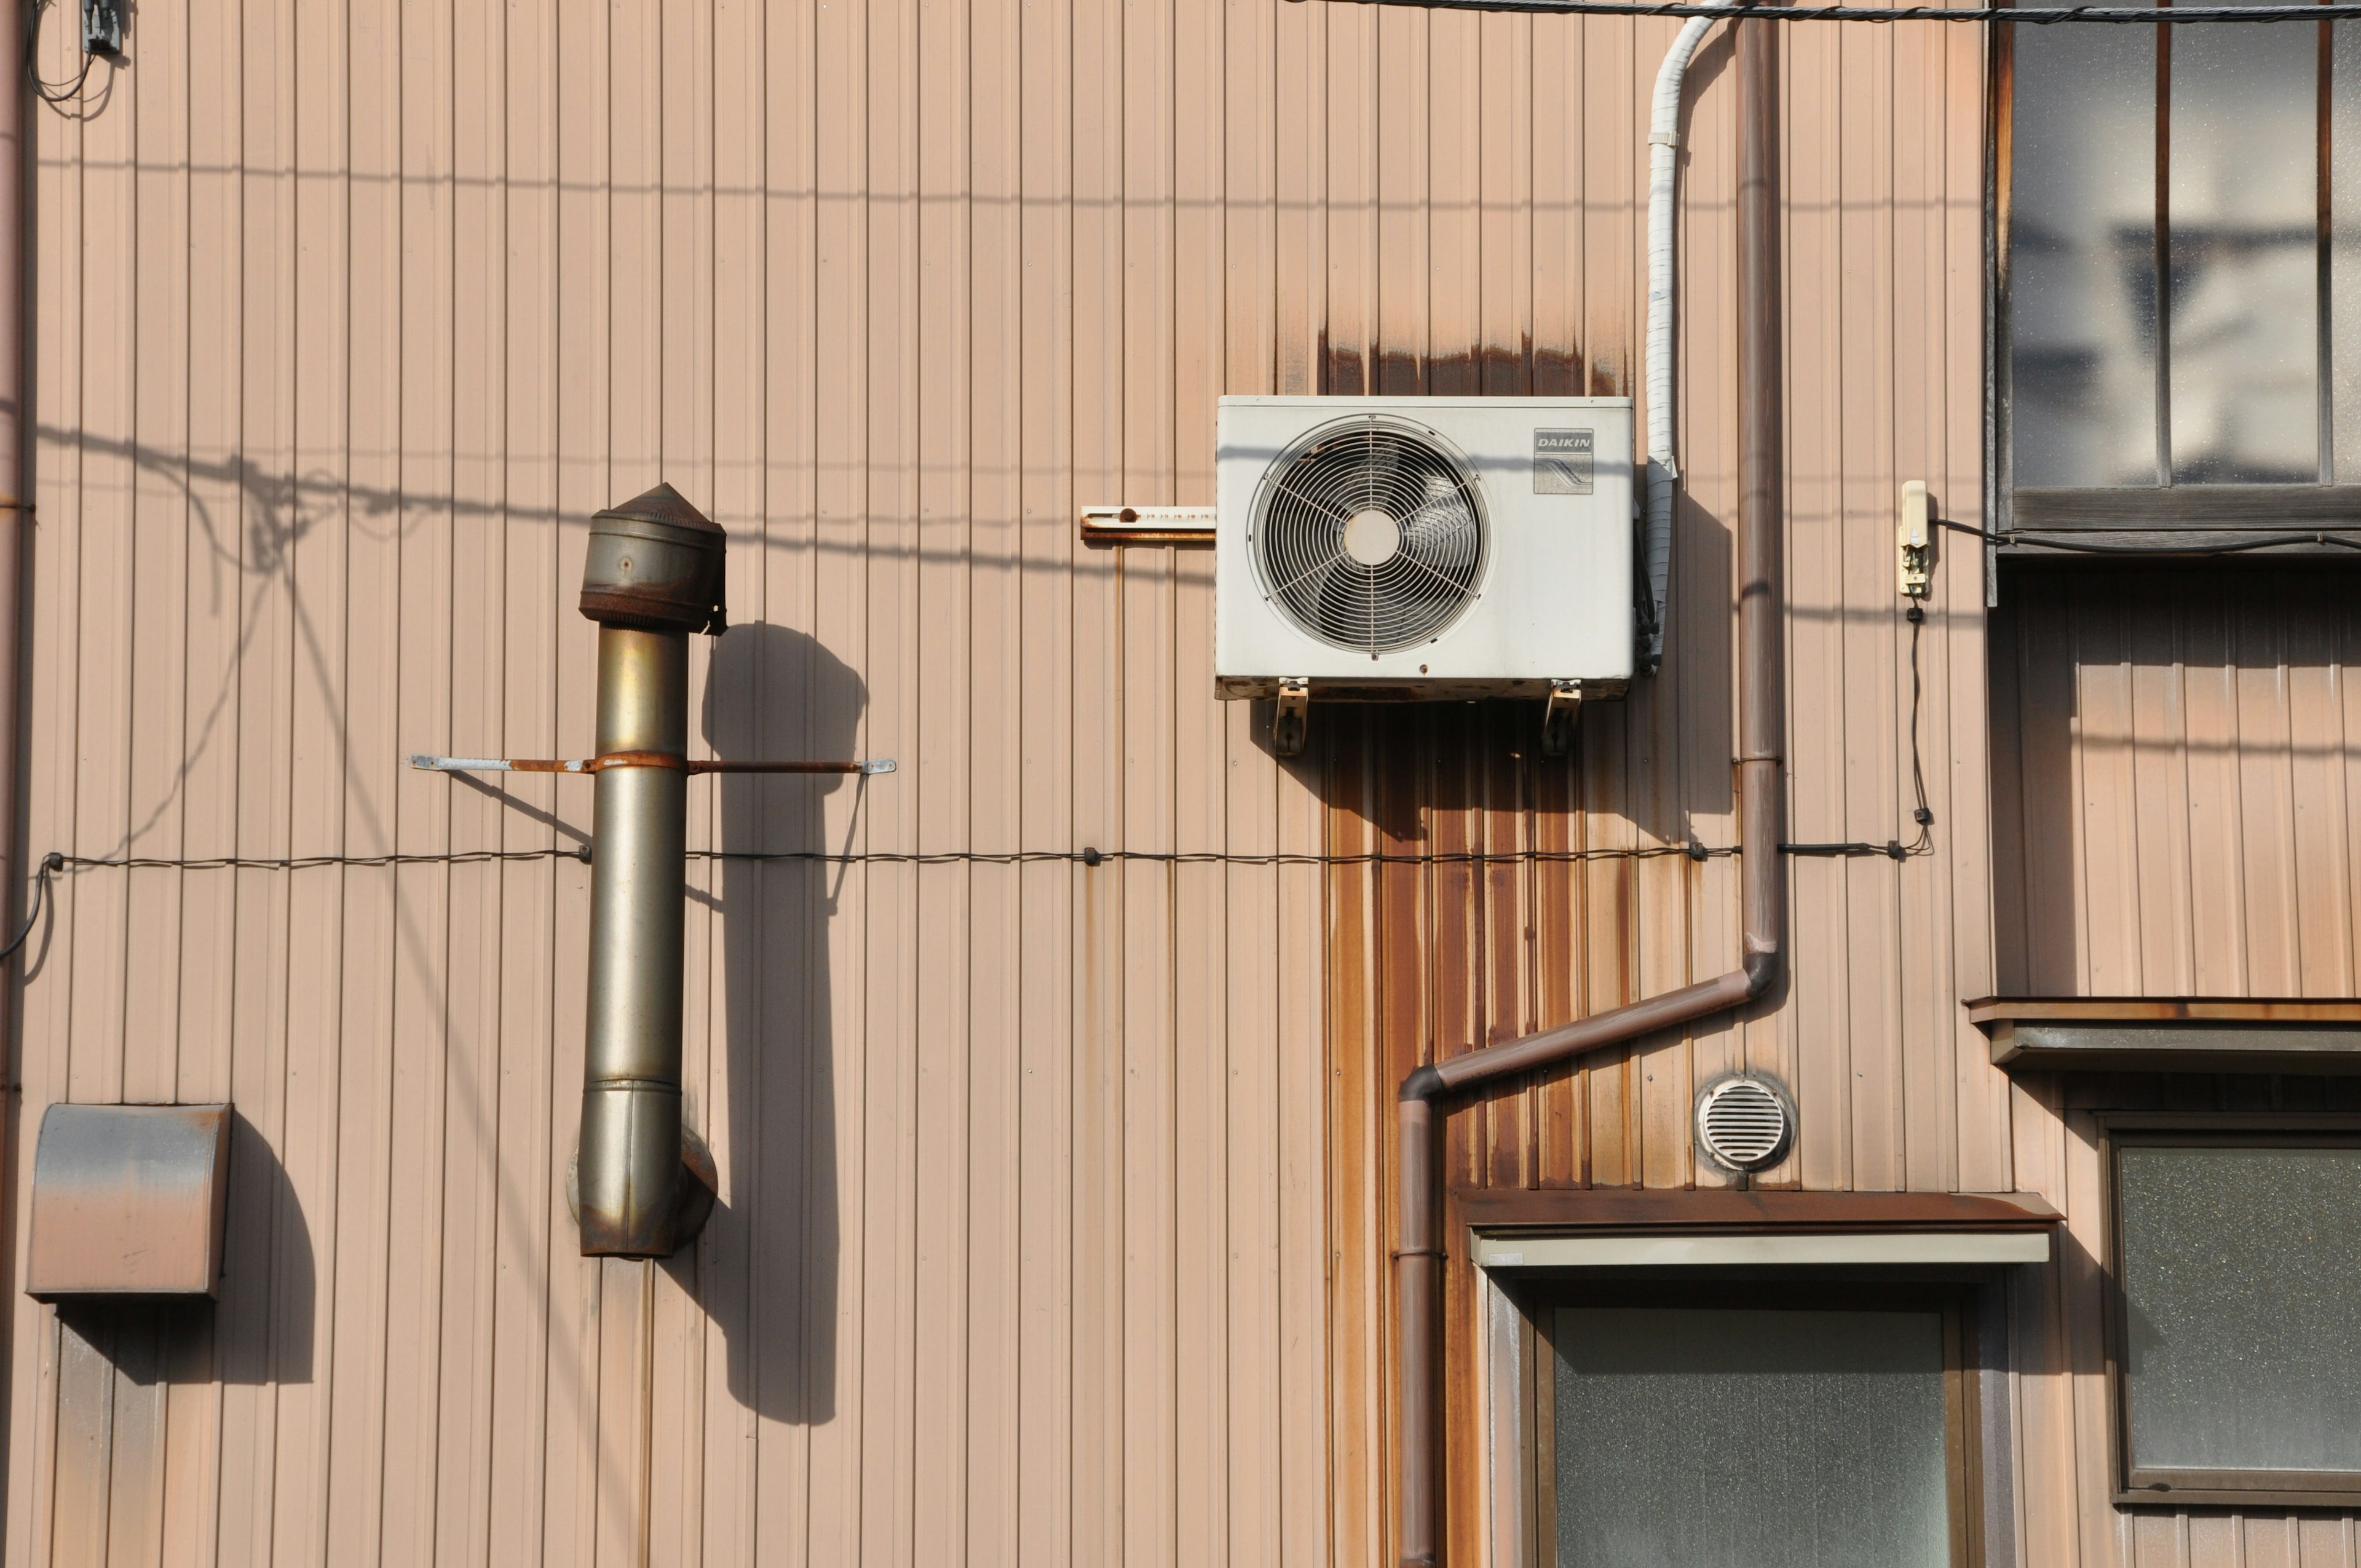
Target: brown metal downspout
1422, 1105
16, 497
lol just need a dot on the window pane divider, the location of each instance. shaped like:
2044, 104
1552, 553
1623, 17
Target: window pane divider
2184, 506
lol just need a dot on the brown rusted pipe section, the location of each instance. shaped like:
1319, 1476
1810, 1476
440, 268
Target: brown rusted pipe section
1424, 1102
654, 575
1178, 538
15, 486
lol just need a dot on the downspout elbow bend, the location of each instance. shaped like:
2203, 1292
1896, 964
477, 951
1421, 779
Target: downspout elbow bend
1425, 1084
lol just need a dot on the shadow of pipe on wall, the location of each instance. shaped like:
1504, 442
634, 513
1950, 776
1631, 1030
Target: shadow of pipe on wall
766, 1267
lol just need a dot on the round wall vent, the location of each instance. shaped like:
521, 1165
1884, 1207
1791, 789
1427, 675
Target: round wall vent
1743, 1121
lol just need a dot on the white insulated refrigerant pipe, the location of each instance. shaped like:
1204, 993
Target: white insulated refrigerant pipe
1663, 472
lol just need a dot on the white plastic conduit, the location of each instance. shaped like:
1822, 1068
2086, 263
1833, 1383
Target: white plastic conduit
1664, 159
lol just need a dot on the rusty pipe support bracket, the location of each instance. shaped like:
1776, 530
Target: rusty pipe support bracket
1188, 526
427, 761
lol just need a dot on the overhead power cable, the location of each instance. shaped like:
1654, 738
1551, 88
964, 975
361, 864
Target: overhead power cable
57, 862
2132, 15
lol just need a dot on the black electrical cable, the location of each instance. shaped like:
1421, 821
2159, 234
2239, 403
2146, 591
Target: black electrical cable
51, 863
2132, 16
57, 862
1894, 849
56, 95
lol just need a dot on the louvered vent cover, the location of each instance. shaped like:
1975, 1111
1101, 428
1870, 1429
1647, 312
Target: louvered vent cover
1742, 1122
1370, 535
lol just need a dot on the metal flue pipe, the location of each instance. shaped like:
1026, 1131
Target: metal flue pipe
654, 575
1426, 1094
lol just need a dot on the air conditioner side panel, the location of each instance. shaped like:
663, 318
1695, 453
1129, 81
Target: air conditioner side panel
1556, 599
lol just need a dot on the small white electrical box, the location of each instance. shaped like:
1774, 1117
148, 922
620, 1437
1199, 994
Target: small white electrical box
1914, 540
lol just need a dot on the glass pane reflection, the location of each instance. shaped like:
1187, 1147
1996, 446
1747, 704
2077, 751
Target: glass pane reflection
2344, 244
2083, 314
2243, 301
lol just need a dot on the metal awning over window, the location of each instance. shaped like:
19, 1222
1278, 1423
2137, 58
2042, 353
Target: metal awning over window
2127, 1034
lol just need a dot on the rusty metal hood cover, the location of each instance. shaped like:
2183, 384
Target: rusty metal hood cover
655, 564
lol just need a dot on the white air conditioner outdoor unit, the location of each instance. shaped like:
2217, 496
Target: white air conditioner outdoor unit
1424, 547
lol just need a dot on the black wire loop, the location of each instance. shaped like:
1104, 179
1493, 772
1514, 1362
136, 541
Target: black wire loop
51, 863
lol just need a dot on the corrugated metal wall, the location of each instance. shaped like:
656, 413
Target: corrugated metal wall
1883, 222
1055, 1211
350, 315
2175, 804
2171, 770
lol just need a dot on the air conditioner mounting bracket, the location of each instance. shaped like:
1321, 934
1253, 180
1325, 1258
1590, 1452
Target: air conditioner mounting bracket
1292, 718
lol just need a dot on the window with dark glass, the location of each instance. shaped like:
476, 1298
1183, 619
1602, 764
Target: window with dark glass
2237, 1334
2183, 245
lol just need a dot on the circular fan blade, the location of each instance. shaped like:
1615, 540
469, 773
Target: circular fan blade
1370, 535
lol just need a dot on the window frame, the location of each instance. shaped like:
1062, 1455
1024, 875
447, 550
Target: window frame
2157, 1487
1537, 1299
2163, 517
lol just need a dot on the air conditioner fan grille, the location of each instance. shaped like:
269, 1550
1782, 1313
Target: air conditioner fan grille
1370, 537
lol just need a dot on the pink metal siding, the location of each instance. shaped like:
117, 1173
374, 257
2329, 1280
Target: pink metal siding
1054, 1211
2175, 800
351, 316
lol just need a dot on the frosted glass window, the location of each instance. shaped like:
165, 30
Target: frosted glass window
2082, 257
2241, 1274
2345, 244
1713, 1438
2206, 330
2243, 290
